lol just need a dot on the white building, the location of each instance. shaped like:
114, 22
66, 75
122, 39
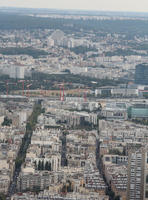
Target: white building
17, 72
22, 117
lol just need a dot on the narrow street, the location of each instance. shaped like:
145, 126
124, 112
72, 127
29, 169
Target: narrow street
63, 153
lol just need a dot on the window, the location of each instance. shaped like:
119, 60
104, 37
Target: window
147, 179
107, 159
146, 194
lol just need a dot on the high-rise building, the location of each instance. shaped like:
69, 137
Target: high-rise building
141, 74
16, 72
146, 176
137, 188
58, 36
20, 72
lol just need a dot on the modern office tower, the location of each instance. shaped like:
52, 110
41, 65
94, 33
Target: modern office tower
141, 74
137, 187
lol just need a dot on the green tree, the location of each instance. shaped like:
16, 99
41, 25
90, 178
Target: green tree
110, 193
36, 189
64, 189
7, 121
117, 198
42, 165
18, 163
2, 196
39, 165
35, 164
115, 152
69, 187
46, 165
49, 167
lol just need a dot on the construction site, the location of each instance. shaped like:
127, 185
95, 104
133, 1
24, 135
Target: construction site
23, 88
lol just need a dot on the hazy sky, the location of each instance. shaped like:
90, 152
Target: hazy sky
112, 5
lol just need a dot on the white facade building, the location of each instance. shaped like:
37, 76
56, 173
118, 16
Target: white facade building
17, 72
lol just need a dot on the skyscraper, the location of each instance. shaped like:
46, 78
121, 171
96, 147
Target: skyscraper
141, 74
137, 187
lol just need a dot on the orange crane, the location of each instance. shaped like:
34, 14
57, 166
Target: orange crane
28, 89
62, 95
61, 85
22, 81
85, 93
7, 86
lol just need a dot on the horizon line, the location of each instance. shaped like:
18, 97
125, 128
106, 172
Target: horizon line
70, 9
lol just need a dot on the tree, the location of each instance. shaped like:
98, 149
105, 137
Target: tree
35, 53
69, 187
28, 127
35, 164
36, 189
67, 71
46, 165
27, 138
115, 152
39, 165
42, 165
18, 163
64, 189
117, 197
49, 167
43, 110
2, 196
82, 49
110, 193
7, 121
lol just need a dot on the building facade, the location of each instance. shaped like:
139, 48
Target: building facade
138, 175
141, 74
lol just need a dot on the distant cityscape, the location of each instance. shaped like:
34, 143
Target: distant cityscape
73, 105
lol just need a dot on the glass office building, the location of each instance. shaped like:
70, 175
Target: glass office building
138, 111
141, 74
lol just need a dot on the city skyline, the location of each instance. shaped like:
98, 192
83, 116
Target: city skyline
112, 5
73, 100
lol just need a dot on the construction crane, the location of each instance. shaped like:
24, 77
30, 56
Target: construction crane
28, 89
7, 86
85, 93
42, 93
22, 81
62, 92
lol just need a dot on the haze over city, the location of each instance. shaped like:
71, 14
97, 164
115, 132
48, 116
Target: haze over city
106, 5
73, 100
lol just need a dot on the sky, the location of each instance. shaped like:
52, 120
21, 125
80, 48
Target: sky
101, 5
